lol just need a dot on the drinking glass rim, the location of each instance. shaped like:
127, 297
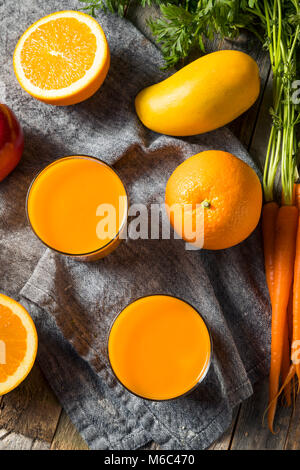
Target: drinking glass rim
87, 157
210, 351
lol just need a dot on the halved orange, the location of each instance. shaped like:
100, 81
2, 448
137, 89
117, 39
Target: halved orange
63, 58
18, 344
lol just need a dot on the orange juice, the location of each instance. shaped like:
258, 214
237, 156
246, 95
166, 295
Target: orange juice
68, 203
159, 347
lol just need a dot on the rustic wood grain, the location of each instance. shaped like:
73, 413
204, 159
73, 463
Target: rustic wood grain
31, 410
40, 445
293, 436
259, 140
225, 441
14, 441
251, 433
151, 446
67, 436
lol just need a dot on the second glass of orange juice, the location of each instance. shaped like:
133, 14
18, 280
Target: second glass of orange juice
159, 347
78, 206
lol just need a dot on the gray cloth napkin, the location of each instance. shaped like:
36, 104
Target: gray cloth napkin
74, 303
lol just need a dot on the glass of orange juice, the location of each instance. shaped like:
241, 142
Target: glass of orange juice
159, 347
78, 206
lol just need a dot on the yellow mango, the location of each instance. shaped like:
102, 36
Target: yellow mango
202, 96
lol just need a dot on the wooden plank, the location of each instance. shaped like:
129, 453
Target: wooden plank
293, 436
245, 126
67, 436
31, 410
151, 446
251, 433
259, 140
225, 441
14, 441
40, 445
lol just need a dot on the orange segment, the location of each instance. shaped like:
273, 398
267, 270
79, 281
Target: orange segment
53, 59
62, 58
18, 344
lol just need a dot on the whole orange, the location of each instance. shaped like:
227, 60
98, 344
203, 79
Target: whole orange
228, 190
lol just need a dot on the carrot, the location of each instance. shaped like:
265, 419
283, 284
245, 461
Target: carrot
296, 298
290, 304
284, 257
285, 364
288, 336
290, 316
269, 215
288, 380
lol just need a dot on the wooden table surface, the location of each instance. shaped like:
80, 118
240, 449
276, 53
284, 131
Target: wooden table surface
31, 417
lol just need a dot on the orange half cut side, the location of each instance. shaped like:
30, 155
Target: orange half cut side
63, 58
18, 344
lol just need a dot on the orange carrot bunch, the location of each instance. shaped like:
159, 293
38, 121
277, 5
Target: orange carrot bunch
281, 227
281, 237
